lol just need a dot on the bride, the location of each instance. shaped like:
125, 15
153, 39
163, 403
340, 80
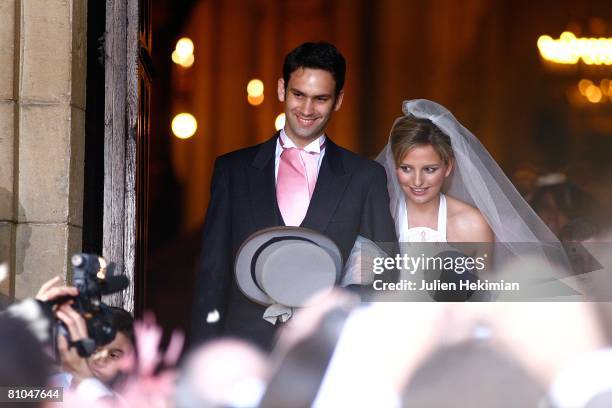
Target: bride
423, 157
445, 187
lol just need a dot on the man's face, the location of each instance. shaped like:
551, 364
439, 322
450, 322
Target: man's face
105, 363
310, 100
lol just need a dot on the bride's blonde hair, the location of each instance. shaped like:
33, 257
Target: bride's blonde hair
409, 132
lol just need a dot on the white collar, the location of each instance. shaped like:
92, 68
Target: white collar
312, 147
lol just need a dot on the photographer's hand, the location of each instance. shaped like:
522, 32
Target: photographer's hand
70, 359
49, 290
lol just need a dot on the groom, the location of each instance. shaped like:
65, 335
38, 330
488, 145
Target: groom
299, 177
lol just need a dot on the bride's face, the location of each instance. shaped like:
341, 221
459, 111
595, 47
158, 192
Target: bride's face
421, 174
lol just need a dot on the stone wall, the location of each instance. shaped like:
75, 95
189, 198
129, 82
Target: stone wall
42, 139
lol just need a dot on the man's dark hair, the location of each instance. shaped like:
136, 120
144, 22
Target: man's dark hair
123, 322
320, 55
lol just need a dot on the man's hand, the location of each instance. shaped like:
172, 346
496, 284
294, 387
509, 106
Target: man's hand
70, 359
50, 291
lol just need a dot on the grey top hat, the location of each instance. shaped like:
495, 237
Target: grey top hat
287, 265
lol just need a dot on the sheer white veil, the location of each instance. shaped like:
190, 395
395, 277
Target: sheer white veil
479, 181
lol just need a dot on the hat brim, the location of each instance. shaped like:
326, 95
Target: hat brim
252, 245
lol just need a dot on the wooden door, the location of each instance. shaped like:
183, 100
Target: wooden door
128, 75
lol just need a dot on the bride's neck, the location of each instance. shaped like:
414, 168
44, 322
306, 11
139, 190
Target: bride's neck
422, 213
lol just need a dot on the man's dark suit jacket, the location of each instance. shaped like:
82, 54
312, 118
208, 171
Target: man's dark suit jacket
350, 199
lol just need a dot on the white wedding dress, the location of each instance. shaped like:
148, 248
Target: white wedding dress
423, 234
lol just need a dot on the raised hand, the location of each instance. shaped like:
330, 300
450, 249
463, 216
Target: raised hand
50, 291
70, 359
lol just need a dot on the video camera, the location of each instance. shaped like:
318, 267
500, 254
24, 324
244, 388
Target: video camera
93, 277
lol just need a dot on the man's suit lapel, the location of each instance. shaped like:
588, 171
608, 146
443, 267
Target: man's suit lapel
262, 189
331, 183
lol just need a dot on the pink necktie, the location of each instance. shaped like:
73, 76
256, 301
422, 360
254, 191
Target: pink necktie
295, 183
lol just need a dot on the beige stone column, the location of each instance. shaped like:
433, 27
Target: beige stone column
42, 139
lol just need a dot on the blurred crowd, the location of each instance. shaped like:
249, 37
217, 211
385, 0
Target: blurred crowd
575, 203
339, 353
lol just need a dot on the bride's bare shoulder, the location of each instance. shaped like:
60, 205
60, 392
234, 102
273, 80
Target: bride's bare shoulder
458, 208
466, 223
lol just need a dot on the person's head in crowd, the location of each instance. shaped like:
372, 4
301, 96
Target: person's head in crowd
594, 177
559, 203
580, 229
596, 226
583, 382
472, 374
222, 373
105, 363
525, 179
22, 359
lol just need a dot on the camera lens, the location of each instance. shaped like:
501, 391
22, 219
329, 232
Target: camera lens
77, 260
